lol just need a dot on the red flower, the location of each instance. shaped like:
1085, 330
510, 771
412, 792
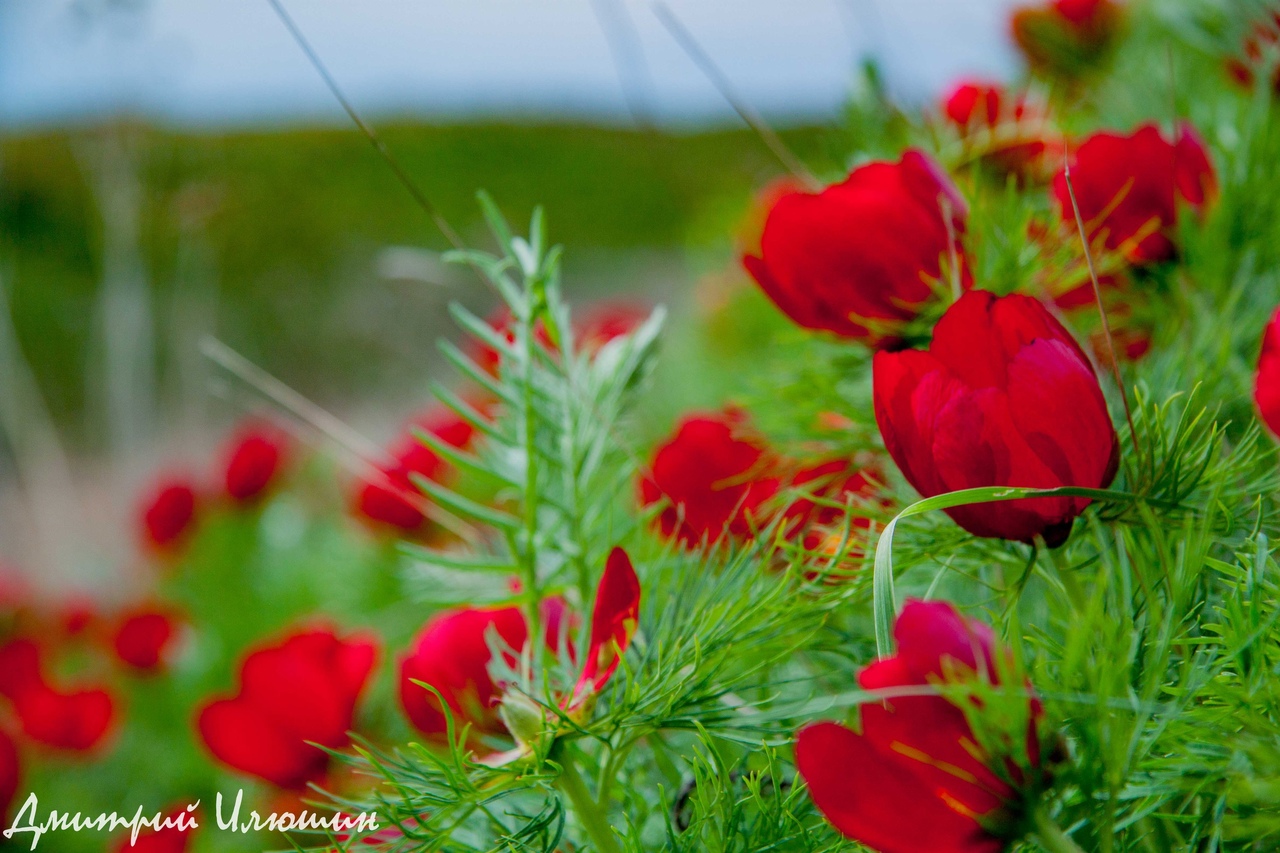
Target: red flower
714, 478
19, 667
1005, 130
1129, 188
302, 689
76, 720
593, 326
834, 481
10, 774
1067, 37
173, 838
1266, 389
613, 623
862, 258
916, 777
393, 500
452, 655
601, 322
169, 515
254, 459
1003, 397
144, 638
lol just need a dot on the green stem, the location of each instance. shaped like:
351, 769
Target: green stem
1051, 836
590, 813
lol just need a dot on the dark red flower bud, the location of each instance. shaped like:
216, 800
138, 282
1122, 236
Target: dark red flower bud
713, 476
916, 777
1004, 396
1004, 130
863, 257
1266, 389
144, 639
1067, 38
1129, 189
452, 655
393, 500
169, 515
301, 690
255, 457
10, 774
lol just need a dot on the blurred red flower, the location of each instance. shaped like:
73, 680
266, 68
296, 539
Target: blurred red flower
1129, 189
169, 515
1003, 397
144, 638
1266, 389
255, 457
303, 688
1259, 53
831, 481
862, 258
10, 774
76, 720
916, 777
392, 500
714, 477
1067, 37
170, 839
1004, 129
594, 325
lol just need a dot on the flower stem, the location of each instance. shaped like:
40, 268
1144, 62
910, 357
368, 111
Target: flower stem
590, 813
1051, 836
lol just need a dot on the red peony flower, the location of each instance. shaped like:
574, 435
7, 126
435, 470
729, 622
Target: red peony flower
1003, 397
144, 638
1067, 37
1266, 389
713, 476
916, 777
452, 655
76, 720
174, 838
393, 500
169, 515
301, 689
10, 774
255, 458
834, 481
1005, 130
862, 258
1129, 188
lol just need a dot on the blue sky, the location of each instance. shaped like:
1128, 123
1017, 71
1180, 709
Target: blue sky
232, 62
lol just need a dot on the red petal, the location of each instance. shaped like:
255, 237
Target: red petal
613, 623
240, 736
871, 798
